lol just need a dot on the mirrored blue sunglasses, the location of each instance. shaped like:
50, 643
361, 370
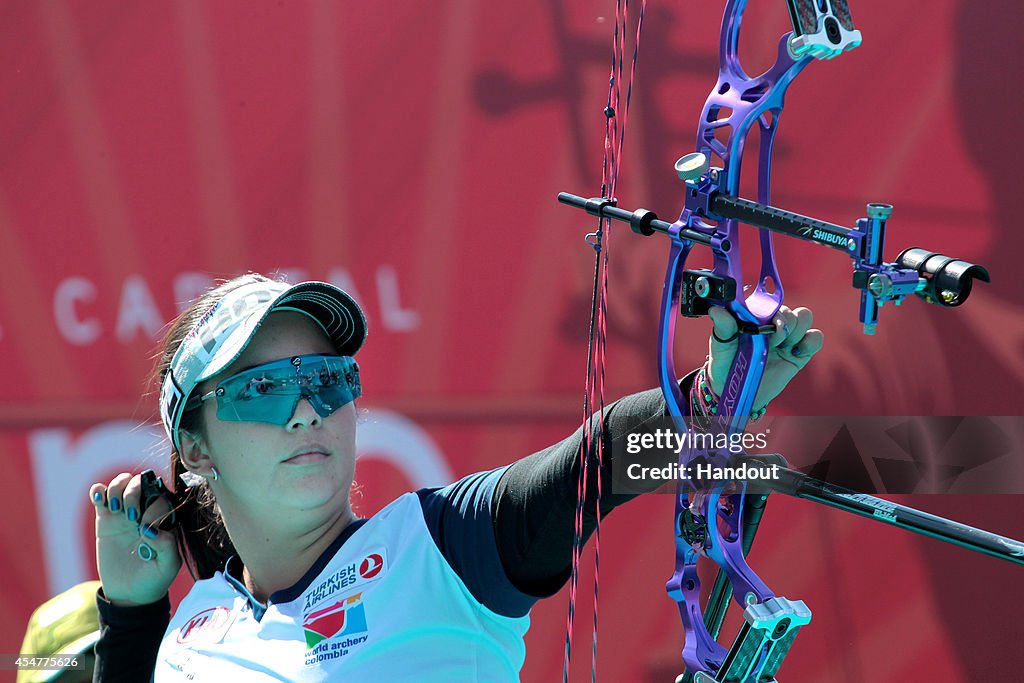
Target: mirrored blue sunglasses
271, 392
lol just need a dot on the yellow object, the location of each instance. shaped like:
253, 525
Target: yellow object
63, 625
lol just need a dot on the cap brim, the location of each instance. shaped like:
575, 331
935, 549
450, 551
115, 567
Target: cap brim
335, 311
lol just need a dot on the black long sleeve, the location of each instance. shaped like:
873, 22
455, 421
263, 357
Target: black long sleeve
535, 500
129, 640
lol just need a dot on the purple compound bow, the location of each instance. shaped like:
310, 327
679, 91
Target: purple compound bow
720, 522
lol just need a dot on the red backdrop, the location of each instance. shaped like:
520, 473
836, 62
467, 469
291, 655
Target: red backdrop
411, 153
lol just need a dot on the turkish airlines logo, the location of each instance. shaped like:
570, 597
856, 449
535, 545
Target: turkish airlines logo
371, 566
209, 625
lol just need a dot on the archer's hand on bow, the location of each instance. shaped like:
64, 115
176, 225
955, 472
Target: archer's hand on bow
790, 348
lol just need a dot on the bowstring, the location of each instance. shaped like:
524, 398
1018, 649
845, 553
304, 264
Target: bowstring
615, 134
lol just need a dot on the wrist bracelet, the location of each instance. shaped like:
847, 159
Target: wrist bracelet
703, 401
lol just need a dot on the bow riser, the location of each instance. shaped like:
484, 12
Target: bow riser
748, 102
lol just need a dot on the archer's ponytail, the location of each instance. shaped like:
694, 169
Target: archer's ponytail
201, 535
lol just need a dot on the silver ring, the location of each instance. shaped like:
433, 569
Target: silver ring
146, 552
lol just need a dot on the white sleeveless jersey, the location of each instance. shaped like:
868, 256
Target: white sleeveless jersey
387, 607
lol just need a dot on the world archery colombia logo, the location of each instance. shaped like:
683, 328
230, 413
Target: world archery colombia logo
334, 624
346, 617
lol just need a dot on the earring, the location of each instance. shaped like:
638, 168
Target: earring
216, 474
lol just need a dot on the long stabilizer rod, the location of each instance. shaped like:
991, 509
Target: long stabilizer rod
799, 485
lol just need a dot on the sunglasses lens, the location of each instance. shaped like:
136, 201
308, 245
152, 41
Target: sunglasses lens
271, 392
275, 409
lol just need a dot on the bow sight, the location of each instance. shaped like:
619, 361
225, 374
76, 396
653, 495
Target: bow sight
934, 277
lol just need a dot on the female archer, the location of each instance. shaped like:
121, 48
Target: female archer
258, 381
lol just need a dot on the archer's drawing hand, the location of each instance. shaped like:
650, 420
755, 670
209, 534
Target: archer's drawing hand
790, 348
120, 534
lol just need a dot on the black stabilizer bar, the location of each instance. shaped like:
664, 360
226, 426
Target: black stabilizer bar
642, 221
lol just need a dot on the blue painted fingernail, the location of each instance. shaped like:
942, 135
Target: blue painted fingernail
133, 514
97, 497
149, 531
115, 504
